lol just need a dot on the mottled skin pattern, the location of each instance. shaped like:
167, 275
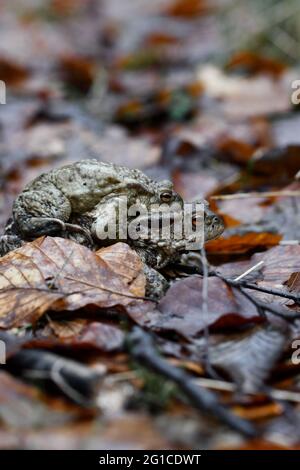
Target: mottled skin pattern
156, 251
46, 204
68, 201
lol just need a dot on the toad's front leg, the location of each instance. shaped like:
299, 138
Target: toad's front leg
41, 212
45, 212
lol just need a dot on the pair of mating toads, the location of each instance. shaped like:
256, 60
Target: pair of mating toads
79, 200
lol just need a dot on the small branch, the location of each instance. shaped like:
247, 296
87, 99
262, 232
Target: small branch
77, 381
263, 306
143, 349
224, 197
289, 242
266, 290
250, 270
276, 394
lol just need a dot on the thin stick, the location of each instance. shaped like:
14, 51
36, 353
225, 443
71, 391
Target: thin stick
289, 242
224, 197
266, 290
230, 387
258, 265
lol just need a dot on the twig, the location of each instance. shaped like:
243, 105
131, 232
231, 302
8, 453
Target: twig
77, 381
221, 385
142, 348
263, 306
224, 197
250, 270
267, 290
289, 242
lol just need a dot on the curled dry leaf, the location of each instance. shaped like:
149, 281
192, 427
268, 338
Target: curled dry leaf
58, 274
181, 308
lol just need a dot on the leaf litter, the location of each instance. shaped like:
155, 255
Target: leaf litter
139, 84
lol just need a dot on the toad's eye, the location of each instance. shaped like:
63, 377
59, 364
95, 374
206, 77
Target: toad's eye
166, 196
196, 220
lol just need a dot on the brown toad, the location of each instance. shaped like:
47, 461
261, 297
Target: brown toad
70, 201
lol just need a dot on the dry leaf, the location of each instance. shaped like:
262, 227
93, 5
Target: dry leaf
187, 8
78, 334
78, 72
58, 274
123, 261
255, 64
245, 97
248, 359
242, 243
181, 308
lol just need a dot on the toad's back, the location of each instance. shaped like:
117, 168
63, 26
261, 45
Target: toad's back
86, 182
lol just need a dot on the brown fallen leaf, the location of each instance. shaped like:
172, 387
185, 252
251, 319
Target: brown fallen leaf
280, 263
12, 73
293, 283
62, 275
242, 243
187, 8
280, 164
260, 412
78, 334
277, 214
235, 150
277, 272
124, 263
181, 308
254, 64
78, 72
